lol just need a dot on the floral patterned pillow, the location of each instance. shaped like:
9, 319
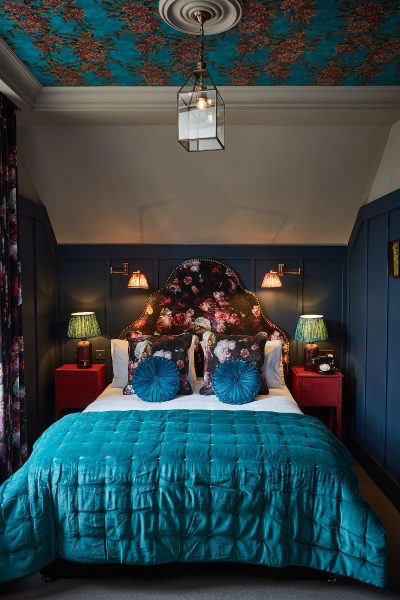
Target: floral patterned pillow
173, 347
219, 347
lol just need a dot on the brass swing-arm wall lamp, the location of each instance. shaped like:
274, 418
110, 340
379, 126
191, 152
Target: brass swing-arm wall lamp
272, 279
137, 279
120, 270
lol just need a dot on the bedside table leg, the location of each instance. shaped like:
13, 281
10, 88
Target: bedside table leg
331, 421
339, 420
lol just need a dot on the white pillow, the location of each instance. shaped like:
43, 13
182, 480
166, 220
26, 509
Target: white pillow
120, 360
273, 367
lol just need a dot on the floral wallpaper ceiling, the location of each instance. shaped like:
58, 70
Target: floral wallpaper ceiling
278, 42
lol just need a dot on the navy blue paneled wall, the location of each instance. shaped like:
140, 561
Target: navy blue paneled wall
60, 279
374, 326
87, 285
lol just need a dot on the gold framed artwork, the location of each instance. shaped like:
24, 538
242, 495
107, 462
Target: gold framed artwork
394, 258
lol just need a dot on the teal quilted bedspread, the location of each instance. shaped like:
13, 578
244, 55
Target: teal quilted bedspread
187, 485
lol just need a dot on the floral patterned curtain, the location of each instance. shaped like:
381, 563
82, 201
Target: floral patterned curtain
13, 449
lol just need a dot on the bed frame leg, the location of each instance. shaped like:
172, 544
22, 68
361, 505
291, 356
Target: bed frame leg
331, 578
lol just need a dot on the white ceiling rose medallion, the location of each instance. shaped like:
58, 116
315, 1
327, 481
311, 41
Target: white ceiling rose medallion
180, 14
201, 109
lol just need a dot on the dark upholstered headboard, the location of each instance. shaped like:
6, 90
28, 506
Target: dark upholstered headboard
204, 294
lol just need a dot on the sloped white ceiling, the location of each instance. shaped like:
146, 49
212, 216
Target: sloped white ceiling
274, 184
387, 178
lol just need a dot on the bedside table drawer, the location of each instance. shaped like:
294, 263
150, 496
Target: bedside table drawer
76, 388
69, 388
318, 392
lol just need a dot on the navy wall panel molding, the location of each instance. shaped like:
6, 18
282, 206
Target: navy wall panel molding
374, 326
87, 285
38, 255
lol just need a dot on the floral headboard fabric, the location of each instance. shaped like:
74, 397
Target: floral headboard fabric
201, 295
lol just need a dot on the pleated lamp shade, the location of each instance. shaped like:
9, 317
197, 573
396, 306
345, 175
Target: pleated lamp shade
83, 325
310, 329
271, 280
138, 281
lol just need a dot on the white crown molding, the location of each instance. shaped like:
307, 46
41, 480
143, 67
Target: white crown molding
247, 105
238, 98
105, 98
16, 81
314, 97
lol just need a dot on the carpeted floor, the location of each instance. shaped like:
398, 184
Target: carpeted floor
228, 585
223, 582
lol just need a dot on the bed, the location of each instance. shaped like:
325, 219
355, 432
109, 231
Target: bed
192, 479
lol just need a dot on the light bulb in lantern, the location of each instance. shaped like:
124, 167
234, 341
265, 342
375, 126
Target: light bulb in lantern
201, 102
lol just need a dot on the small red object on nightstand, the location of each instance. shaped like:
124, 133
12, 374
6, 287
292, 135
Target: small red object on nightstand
310, 388
76, 388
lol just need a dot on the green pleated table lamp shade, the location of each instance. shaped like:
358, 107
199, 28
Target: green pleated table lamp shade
310, 329
83, 325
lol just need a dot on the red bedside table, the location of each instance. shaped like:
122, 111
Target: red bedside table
310, 388
76, 388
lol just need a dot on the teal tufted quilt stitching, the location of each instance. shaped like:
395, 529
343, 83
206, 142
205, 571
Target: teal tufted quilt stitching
186, 485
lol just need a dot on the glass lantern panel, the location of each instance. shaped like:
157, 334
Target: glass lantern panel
201, 114
200, 145
220, 120
197, 115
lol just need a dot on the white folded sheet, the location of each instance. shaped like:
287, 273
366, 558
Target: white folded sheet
113, 399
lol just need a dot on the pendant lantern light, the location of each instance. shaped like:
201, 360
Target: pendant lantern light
201, 109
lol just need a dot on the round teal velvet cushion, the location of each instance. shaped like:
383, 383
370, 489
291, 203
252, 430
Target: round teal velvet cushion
156, 379
236, 382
